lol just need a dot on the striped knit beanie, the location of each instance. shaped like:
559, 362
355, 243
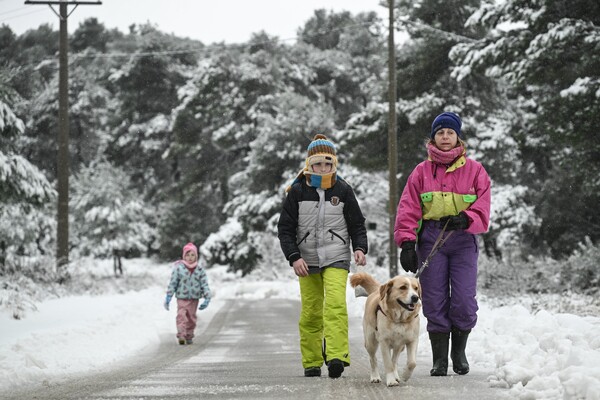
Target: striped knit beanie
319, 150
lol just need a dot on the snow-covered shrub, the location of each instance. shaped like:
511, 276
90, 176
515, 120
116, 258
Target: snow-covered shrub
372, 192
27, 238
581, 268
110, 219
26, 225
510, 215
232, 246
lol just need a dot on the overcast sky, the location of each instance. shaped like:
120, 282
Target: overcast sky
231, 21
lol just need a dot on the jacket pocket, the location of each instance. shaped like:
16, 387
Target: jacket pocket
336, 235
303, 238
469, 198
426, 197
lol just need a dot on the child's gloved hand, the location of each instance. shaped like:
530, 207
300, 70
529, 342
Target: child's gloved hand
204, 303
167, 301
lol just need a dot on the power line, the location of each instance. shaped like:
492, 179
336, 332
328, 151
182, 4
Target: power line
219, 47
13, 10
206, 50
438, 31
21, 15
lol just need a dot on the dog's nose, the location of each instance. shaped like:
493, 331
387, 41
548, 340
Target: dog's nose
414, 298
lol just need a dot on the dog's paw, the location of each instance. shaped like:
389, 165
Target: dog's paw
375, 379
391, 380
406, 374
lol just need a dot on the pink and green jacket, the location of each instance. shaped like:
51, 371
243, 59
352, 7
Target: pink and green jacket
434, 191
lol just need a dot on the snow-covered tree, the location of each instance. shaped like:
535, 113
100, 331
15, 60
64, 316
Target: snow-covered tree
110, 219
545, 53
275, 157
24, 228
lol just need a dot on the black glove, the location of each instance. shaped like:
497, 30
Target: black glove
408, 257
460, 221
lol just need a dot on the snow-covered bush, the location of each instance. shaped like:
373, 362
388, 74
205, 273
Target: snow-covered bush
27, 239
110, 219
578, 274
510, 275
581, 268
372, 192
510, 215
232, 246
26, 228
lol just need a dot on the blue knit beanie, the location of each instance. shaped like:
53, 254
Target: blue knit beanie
446, 120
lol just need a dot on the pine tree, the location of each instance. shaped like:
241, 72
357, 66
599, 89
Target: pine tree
109, 217
546, 53
24, 190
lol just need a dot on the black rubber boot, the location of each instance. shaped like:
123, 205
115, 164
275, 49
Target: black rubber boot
439, 348
335, 368
460, 365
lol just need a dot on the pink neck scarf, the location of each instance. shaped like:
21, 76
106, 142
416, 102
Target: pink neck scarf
444, 157
190, 265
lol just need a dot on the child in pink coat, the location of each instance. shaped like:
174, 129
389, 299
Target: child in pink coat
189, 284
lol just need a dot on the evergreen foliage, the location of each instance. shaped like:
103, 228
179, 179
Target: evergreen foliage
109, 218
24, 190
175, 141
547, 55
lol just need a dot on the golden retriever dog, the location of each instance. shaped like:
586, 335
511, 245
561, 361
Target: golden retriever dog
391, 320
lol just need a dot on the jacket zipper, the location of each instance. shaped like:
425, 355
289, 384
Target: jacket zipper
335, 234
303, 239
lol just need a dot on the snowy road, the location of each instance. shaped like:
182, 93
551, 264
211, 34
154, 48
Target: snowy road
250, 350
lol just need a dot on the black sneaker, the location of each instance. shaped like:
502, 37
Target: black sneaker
312, 371
181, 340
189, 341
336, 367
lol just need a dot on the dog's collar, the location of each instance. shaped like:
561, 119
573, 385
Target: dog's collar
376, 311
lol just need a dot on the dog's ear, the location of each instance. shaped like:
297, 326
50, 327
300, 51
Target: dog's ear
419, 291
385, 290
382, 290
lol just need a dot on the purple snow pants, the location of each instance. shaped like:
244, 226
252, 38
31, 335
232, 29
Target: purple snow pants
449, 283
186, 317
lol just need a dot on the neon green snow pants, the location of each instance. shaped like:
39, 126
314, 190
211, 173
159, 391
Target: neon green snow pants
324, 316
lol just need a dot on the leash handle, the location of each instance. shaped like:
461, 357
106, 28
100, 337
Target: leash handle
439, 242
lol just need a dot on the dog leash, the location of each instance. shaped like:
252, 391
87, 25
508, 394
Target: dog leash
439, 242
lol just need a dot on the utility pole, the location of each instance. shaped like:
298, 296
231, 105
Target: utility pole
392, 142
62, 158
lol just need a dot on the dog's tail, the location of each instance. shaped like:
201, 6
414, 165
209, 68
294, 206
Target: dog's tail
365, 280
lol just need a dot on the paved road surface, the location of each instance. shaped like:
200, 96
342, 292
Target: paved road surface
250, 351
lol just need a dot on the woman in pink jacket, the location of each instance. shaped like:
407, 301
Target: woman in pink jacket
452, 190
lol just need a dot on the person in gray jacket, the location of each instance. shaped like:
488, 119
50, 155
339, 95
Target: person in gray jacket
319, 222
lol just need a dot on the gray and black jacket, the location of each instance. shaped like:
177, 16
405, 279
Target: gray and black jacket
320, 225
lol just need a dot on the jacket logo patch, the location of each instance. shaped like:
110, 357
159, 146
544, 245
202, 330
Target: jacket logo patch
334, 201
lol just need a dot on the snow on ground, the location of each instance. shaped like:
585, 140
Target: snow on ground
536, 354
